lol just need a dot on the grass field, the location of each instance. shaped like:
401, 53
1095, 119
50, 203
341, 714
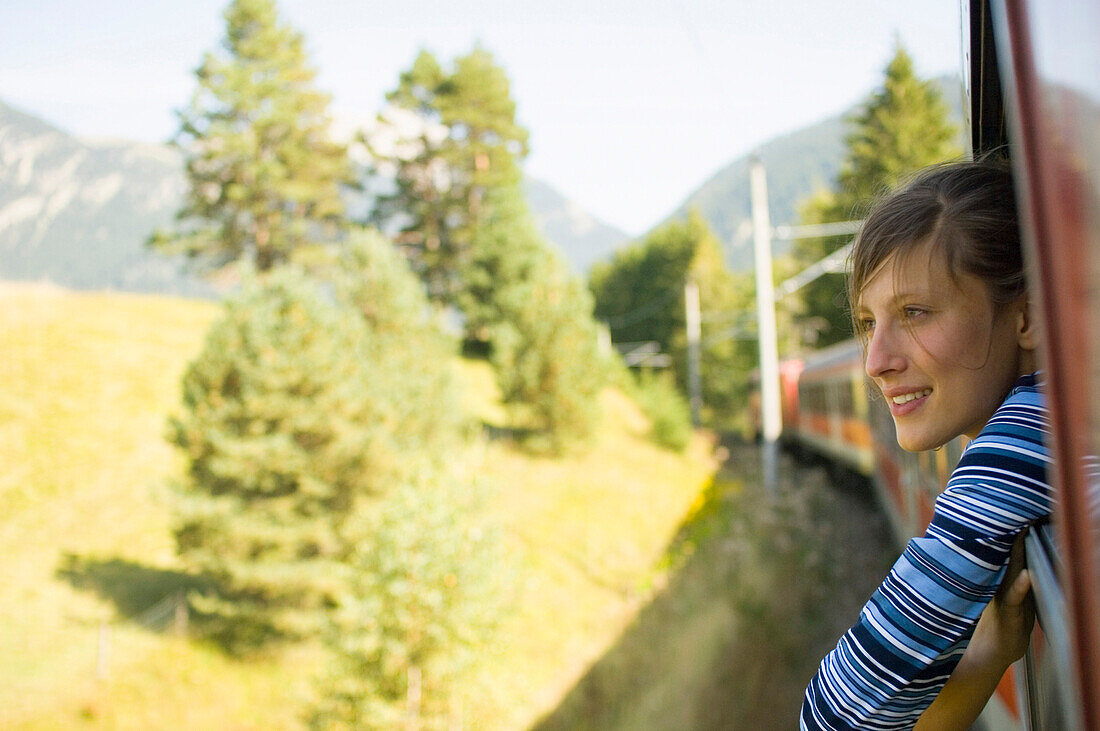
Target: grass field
87, 383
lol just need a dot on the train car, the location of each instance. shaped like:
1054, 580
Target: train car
1032, 79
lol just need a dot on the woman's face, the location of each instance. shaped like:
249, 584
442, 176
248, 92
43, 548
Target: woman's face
942, 355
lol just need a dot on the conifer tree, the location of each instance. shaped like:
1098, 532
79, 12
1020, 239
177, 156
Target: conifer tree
507, 252
264, 177
546, 356
537, 319
322, 426
424, 564
902, 128
441, 187
278, 428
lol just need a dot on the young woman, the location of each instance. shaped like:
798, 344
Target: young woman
939, 298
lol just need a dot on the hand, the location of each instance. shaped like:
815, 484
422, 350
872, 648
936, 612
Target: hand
1003, 632
1000, 638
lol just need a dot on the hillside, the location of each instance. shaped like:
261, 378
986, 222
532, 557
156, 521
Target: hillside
88, 551
77, 213
581, 237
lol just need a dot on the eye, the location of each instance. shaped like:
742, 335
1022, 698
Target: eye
865, 324
914, 312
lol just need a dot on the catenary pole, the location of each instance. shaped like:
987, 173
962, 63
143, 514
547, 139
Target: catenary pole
765, 314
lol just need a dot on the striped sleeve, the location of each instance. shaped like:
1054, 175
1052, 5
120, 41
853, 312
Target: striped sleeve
909, 637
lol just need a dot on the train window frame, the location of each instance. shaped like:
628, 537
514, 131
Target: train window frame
1044, 564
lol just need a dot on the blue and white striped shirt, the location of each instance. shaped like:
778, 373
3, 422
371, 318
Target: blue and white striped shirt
887, 669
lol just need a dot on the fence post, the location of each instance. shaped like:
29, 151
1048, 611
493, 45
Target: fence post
414, 693
103, 652
179, 621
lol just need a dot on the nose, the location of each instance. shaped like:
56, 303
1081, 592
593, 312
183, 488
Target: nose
883, 354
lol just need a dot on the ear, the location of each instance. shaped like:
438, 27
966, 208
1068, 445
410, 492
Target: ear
1027, 327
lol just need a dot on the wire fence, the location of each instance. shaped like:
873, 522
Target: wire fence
71, 655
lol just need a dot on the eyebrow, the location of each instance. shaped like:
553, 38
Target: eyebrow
862, 308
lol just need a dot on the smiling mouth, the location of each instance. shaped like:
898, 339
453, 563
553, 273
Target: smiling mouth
907, 397
906, 403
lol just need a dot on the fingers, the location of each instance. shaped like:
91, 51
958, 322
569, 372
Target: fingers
1015, 568
1018, 589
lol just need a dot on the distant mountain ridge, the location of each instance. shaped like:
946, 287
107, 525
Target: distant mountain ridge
77, 213
581, 237
796, 164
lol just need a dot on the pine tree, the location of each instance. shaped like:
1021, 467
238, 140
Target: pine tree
902, 128
424, 564
441, 187
322, 426
264, 177
546, 356
278, 428
537, 319
507, 252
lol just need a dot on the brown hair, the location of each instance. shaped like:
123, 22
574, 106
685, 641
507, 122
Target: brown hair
965, 210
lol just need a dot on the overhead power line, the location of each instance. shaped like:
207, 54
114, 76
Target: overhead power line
831, 264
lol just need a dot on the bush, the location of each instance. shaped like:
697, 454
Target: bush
668, 411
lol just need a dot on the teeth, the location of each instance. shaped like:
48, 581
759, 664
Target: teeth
907, 397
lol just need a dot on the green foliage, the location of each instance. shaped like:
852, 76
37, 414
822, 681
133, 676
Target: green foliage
507, 252
278, 431
263, 174
421, 597
546, 356
902, 128
537, 320
425, 564
668, 411
469, 145
324, 498
467, 229
640, 294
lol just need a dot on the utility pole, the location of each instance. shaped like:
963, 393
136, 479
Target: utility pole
765, 313
694, 330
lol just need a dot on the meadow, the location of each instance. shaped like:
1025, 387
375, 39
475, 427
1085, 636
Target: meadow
89, 380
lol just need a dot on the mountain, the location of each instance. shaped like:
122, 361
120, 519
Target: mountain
77, 213
582, 238
796, 164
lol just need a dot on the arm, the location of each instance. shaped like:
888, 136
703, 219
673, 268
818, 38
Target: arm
912, 634
1000, 639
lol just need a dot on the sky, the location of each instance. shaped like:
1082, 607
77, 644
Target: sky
630, 104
